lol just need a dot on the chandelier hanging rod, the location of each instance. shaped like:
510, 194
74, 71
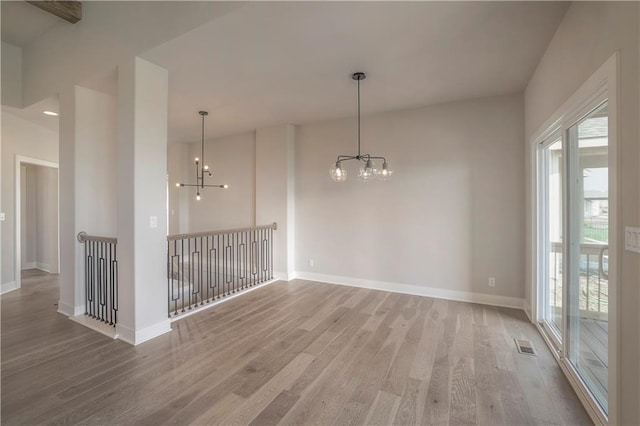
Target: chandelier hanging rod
368, 169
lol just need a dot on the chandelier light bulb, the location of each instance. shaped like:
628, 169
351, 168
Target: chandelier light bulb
337, 173
178, 185
367, 171
225, 186
206, 167
197, 159
198, 197
385, 173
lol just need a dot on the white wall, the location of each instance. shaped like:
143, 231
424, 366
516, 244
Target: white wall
47, 219
28, 209
19, 137
590, 34
232, 161
39, 223
452, 216
11, 75
177, 164
275, 192
96, 167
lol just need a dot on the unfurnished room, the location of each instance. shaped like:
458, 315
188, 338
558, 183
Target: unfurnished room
320, 213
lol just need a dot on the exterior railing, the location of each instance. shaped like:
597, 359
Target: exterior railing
594, 283
100, 277
203, 267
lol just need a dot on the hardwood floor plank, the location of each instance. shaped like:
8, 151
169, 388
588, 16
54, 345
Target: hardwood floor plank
383, 410
253, 406
294, 352
275, 411
489, 409
407, 413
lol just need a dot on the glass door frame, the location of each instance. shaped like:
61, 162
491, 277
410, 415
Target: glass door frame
551, 137
600, 87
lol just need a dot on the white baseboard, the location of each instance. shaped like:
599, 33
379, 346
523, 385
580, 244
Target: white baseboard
95, 325
527, 310
136, 337
28, 265
438, 293
69, 309
43, 267
7, 287
284, 276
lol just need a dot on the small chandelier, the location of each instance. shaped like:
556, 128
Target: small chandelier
368, 169
203, 171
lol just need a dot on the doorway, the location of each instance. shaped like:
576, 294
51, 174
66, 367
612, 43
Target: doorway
37, 234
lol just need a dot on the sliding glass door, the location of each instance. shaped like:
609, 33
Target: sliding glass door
573, 208
588, 285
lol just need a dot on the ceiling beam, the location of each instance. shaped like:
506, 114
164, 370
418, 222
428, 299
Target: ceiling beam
69, 10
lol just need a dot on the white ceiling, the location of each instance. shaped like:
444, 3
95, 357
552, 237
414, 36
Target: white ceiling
270, 63
22, 22
290, 62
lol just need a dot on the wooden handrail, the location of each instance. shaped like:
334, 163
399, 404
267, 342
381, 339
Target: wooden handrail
174, 237
83, 237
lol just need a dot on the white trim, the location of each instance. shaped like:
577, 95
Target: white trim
95, 325
136, 337
603, 84
65, 309
225, 299
17, 257
284, 276
43, 267
527, 311
438, 293
7, 287
70, 310
28, 265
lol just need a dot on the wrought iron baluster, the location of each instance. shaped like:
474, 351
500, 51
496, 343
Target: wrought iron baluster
226, 262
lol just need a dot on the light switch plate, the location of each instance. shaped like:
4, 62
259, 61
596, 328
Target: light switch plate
632, 239
1, 216
153, 221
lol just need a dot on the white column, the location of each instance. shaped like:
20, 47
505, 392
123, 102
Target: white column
67, 165
142, 191
275, 192
87, 182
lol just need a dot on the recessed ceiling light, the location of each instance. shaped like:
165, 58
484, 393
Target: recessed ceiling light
50, 113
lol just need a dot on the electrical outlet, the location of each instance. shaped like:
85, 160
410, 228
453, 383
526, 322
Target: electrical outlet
311, 263
492, 282
1, 216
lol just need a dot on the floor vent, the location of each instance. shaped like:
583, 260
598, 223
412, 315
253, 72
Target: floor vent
525, 347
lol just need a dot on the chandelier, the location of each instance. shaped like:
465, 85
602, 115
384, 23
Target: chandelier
368, 169
201, 171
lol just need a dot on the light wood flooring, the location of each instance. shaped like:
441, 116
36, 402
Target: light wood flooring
291, 353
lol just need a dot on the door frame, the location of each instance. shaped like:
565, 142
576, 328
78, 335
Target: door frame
24, 160
603, 84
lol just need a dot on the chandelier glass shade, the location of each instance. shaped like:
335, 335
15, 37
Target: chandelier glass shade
201, 171
369, 164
